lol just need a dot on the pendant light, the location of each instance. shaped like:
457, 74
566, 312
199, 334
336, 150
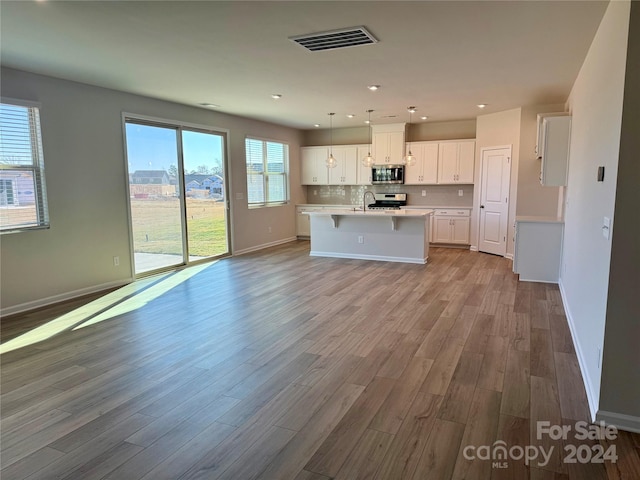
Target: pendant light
409, 158
331, 161
368, 161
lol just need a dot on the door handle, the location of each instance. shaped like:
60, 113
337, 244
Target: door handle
481, 206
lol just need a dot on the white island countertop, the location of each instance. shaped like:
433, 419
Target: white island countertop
370, 213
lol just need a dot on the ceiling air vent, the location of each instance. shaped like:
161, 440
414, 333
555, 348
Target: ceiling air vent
345, 37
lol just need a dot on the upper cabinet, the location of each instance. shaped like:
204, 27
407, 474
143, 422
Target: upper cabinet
346, 170
388, 143
425, 170
437, 162
554, 132
364, 173
314, 169
456, 161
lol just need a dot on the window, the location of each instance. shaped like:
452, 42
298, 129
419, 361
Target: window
267, 172
23, 200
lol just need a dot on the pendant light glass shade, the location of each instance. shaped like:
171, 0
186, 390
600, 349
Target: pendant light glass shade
409, 159
368, 161
331, 161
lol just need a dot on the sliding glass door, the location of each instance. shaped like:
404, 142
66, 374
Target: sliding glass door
177, 194
203, 166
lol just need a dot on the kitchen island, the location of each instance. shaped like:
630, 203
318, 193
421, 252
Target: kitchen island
384, 235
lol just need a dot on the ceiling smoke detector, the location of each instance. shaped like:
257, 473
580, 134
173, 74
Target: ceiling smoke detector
342, 38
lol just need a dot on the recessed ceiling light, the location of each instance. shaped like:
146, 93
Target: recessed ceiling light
210, 105
482, 105
276, 96
424, 117
350, 115
316, 125
373, 88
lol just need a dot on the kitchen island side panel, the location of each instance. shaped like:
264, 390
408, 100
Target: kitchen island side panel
371, 238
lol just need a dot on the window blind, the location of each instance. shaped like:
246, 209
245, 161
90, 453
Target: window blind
267, 172
23, 199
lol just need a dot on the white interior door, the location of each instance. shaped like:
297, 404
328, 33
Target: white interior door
494, 200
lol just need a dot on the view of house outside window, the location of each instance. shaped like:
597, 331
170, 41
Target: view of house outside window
23, 200
267, 172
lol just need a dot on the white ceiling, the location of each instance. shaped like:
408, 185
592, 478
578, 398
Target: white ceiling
442, 57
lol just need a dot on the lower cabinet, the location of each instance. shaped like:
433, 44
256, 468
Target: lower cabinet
451, 226
303, 223
538, 249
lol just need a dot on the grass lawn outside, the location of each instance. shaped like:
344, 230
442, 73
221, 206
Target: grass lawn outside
156, 226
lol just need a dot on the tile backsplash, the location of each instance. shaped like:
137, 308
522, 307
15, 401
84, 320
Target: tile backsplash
436, 195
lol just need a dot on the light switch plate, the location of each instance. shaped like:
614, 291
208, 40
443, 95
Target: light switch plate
606, 227
460, 193
424, 193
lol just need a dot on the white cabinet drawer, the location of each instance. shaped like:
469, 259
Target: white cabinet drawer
465, 212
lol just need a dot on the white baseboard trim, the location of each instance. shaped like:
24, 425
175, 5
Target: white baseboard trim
535, 280
356, 256
62, 297
263, 246
628, 423
593, 397
473, 248
508, 256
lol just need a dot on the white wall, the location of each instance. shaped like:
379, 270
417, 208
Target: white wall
534, 199
620, 387
493, 130
596, 107
86, 184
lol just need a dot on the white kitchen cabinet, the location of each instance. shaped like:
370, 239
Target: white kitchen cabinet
303, 226
425, 170
346, 170
363, 173
451, 226
314, 169
388, 143
555, 133
538, 249
456, 162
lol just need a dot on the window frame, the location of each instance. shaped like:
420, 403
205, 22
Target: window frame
35, 168
265, 174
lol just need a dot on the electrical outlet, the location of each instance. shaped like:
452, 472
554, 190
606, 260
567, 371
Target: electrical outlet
460, 193
116, 261
360, 239
424, 193
269, 229
315, 192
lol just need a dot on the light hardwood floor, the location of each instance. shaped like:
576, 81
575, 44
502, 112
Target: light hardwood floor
275, 365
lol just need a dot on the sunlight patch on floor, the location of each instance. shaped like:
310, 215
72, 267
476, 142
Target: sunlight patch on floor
123, 300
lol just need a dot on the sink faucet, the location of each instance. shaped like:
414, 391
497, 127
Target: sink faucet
364, 199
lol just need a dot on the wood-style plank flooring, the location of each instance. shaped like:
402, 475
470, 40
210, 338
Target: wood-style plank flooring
275, 365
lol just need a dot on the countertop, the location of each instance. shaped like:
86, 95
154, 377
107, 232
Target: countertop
372, 213
412, 207
538, 219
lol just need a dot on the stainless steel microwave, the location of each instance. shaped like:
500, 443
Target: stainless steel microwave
387, 174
